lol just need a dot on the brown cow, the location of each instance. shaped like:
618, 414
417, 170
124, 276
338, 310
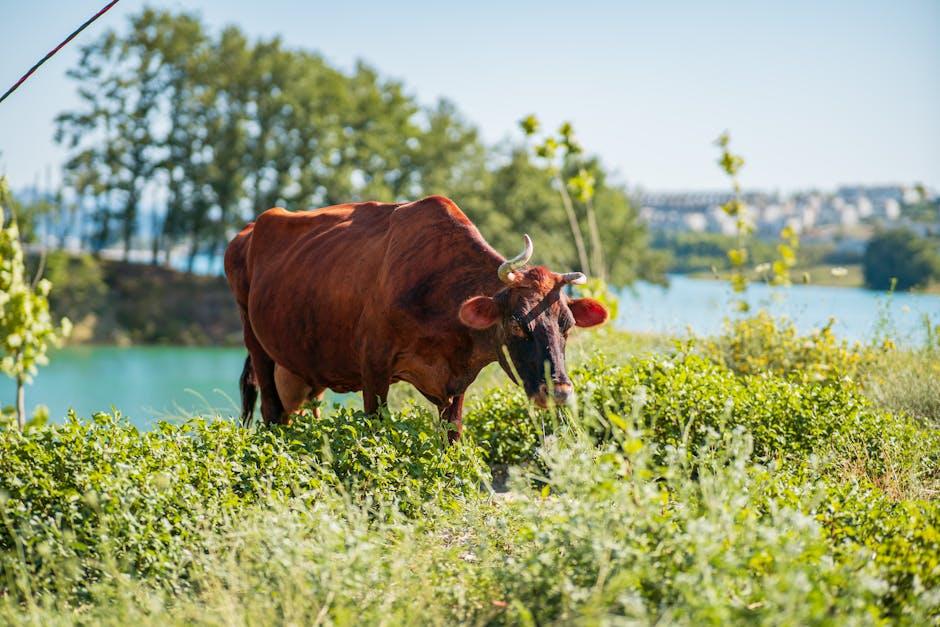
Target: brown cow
359, 296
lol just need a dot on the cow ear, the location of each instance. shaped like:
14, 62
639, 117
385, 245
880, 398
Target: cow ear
587, 312
480, 312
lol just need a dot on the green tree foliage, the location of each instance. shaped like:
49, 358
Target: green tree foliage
200, 131
899, 255
26, 328
80, 285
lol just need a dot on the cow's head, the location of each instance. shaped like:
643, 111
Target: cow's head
532, 317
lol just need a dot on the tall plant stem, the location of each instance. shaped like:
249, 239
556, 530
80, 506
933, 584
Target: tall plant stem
597, 249
20, 404
573, 223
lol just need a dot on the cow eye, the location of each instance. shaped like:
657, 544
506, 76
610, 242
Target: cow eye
516, 328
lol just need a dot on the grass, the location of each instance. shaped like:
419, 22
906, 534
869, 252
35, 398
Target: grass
908, 381
696, 484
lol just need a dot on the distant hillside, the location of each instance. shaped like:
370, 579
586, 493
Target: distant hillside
113, 302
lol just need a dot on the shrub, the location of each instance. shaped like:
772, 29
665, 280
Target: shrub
899, 258
678, 492
506, 427
694, 540
762, 343
902, 536
680, 398
706, 537
86, 493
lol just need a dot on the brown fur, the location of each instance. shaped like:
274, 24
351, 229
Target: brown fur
358, 296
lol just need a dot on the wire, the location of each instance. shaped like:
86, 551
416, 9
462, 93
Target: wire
57, 48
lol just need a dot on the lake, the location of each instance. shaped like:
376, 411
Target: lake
148, 383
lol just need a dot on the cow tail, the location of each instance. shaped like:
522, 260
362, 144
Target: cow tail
249, 392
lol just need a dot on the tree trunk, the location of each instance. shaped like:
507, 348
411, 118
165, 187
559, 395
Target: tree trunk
155, 242
193, 253
20, 404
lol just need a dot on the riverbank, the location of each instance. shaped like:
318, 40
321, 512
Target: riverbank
824, 275
119, 304
114, 303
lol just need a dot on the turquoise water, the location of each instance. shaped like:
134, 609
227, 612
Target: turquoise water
703, 305
150, 383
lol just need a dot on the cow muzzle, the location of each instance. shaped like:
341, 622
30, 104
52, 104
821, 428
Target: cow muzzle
559, 394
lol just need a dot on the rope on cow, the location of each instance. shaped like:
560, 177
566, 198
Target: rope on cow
57, 48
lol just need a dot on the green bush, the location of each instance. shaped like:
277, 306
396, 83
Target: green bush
681, 398
901, 259
628, 530
902, 536
763, 343
84, 493
505, 426
678, 492
693, 540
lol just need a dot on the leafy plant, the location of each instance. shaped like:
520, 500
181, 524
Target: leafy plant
100, 492
557, 152
763, 343
679, 490
731, 164
899, 259
738, 256
26, 328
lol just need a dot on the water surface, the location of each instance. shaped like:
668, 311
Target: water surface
149, 383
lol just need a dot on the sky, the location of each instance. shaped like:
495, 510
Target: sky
815, 93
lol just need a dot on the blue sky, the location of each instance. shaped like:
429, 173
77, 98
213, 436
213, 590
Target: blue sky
815, 93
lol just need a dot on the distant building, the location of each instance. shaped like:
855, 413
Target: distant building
810, 212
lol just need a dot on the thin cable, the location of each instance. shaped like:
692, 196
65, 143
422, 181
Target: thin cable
57, 48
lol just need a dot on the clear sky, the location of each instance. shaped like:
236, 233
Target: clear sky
816, 93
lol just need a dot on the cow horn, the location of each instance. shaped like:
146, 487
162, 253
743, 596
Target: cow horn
575, 278
509, 266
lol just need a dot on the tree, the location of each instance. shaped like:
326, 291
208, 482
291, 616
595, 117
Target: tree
112, 133
26, 328
899, 255
211, 128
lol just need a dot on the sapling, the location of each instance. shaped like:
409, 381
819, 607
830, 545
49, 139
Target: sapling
26, 327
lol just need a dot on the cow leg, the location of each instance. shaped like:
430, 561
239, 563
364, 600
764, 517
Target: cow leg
453, 414
271, 409
291, 389
316, 395
374, 392
374, 397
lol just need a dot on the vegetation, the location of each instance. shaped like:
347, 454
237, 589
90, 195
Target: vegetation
777, 271
26, 328
696, 486
116, 302
762, 343
226, 128
761, 476
707, 253
900, 258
